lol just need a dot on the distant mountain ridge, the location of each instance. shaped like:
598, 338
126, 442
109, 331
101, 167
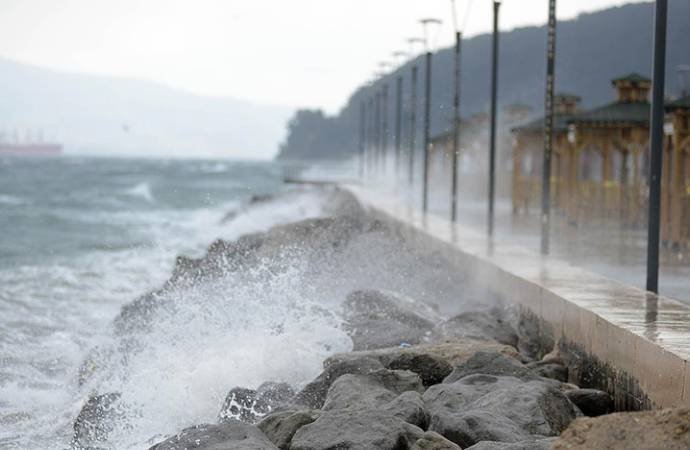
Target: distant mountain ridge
120, 116
592, 49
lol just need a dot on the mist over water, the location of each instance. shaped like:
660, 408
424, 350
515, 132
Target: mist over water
102, 233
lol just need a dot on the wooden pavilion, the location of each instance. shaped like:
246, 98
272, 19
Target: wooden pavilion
600, 159
528, 148
675, 231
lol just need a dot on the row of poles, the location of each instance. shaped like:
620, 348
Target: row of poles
376, 107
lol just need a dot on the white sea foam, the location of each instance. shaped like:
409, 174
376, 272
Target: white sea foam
141, 190
61, 310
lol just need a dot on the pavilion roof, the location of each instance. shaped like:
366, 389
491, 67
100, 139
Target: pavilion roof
636, 113
560, 124
681, 103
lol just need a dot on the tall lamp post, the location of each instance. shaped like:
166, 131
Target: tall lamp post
426, 23
401, 56
384, 66
456, 117
413, 109
492, 133
362, 137
548, 130
656, 145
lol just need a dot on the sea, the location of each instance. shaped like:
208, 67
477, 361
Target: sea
80, 237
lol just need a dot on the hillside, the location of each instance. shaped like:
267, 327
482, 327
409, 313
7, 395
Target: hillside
117, 116
592, 49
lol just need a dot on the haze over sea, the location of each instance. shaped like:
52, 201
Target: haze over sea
83, 236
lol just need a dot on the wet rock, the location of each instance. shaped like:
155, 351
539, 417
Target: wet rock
491, 363
433, 441
232, 435
469, 428
137, 315
432, 362
667, 429
530, 339
554, 371
591, 402
377, 319
539, 444
409, 406
313, 394
397, 392
356, 430
430, 368
281, 426
371, 390
482, 407
537, 407
96, 420
478, 325
249, 406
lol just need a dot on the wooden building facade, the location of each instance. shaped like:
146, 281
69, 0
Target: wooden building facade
601, 161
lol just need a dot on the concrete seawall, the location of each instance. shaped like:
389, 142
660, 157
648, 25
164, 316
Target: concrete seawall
633, 344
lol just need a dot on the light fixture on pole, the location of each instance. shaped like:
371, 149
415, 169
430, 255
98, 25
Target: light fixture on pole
492, 133
427, 24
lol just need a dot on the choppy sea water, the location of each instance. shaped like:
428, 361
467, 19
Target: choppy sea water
80, 237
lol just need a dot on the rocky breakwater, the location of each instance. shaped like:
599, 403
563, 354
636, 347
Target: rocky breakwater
428, 384
412, 380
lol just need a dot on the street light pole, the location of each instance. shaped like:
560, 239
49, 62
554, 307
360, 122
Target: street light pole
398, 122
548, 130
384, 121
377, 130
362, 137
656, 145
492, 134
456, 129
427, 131
426, 23
413, 123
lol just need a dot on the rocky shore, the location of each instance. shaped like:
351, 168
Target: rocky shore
415, 378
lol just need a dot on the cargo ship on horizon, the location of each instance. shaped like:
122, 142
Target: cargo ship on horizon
30, 149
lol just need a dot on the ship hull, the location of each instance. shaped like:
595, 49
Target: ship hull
30, 149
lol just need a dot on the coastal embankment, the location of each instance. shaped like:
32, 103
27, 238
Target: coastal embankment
338, 331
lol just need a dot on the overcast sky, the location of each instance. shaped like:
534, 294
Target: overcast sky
288, 52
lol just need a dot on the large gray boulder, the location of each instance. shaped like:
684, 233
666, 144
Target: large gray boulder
397, 392
232, 435
281, 426
482, 407
249, 405
432, 362
491, 363
409, 406
356, 430
378, 319
313, 394
372, 390
592, 402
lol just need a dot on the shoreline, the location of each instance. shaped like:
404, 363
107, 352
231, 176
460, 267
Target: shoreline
416, 376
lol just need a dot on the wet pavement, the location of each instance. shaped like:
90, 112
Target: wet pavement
586, 289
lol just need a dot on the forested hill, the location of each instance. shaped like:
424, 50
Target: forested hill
592, 49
